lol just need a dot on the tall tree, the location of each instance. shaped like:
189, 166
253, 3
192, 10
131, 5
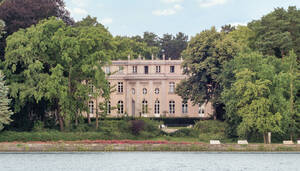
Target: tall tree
203, 60
5, 112
172, 46
277, 32
20, 14
54, 60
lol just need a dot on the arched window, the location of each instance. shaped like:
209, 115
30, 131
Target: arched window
91, 107
201, 110
184, 107
144, 91
171, 87
156, 107
108, 107
156, 91
172, 107
144, 107
120, 107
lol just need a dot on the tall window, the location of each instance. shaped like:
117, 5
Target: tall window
172, 107
172, 69
108, 107
91, 107
171, 87
157, 69
146, 69
107, 70
156, 91
156, 107
120, 107
184, 107
91, 88
201, 110
121, 68
144, 91
120, 87
144, 107
133, 91
134, 69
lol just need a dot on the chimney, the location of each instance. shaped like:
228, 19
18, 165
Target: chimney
129, 57
152, 57
164, 56
140, 57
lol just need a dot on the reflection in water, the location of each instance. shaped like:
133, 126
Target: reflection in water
136, 161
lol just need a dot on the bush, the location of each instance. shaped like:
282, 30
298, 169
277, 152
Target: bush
136, 126
210, 126
185, 132
38, 126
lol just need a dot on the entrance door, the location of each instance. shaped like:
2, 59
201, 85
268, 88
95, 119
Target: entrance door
133, 108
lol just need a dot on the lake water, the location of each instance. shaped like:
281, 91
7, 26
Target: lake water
149, 161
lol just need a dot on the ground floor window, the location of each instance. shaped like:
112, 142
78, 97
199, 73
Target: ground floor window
108, 107
184, 107
156, 107
144, 107
91, 107
172, 107
120, 107
201, 109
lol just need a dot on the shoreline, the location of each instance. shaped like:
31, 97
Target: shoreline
140, 146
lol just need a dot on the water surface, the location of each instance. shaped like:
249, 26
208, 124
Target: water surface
136, 161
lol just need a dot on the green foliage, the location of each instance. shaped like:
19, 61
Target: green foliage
2, 25
5, 112
210, 126
52, 61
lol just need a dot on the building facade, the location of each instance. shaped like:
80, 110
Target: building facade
146, 88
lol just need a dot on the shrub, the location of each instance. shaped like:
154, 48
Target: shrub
38, 126
210, 126
136, 126
185, 132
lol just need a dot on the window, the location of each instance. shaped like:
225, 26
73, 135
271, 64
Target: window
157, 69
144, 107
133, 91
107, 70
121, 68
108, 107
156, 91
184, 107
171, 87
91, 88
120, 107
144, 91
172, 69
156, 107
134, 69
201, 110
91, 107
172, 107
146, 69
120, 87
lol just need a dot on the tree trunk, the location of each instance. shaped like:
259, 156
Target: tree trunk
97, 114
61, 120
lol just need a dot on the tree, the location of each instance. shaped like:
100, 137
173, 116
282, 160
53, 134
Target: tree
5, 112
54, 61
21, 14
277, 32
203, 60
172, 46
2, 25
255, 96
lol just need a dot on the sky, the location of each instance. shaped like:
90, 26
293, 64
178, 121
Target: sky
134, 17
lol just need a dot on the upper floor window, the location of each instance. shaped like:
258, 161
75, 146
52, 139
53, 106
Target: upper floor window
156, 107
144, 107
144, 91
146, 69
120, 87
172, 107
156, 91
120, 107
172, 69
91, 88
171, 87
184, 107
91, 107
121, 68
133, 91
134, 69
157, 69
107, 70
